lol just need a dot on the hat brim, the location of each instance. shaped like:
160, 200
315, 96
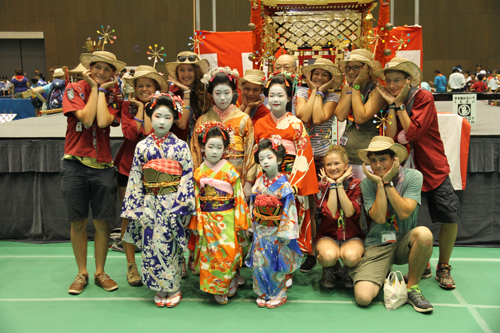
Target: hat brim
87, 58
400, 151
149, 75
409, 67
334, 72
172, 66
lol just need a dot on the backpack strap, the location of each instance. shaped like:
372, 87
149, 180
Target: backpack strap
410, 98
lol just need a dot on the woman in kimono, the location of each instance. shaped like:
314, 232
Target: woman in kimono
275, 251
159, 201
221, 86
221, 212
298, 163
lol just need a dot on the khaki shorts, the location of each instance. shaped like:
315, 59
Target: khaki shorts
377, 260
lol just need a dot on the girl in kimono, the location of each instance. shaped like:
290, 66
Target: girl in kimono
298, 164
222, 84
159, 201
221, 212
275, 251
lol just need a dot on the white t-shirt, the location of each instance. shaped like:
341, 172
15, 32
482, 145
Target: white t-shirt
5, 85
493, 84
457, 81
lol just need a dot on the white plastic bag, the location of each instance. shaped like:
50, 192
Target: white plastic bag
395, 293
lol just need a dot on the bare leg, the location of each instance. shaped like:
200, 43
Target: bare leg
351, 253
101, 244
421, 251
365, 292
79, 244
328, 252
447, 236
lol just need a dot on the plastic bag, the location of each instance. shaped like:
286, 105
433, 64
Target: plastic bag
395, 293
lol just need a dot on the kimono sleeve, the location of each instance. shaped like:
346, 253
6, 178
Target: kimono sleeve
301, 175
133, 202
288, 229
241, 213
184, 203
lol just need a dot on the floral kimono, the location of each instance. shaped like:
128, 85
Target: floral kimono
158, 201
221, 212
298, 165
275, 251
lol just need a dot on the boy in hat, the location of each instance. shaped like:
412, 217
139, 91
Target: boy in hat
252, 99
391, 196
418, 124
88, 178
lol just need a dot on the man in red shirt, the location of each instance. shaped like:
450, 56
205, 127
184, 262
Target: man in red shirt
252, 99
418, 122
91, 106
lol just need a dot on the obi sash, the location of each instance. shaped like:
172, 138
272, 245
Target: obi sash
161, 176
268, 216
215, 200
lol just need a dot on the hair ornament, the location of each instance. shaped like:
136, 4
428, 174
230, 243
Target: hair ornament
287, 76
232, 74
176, 101
275, 141
203, 129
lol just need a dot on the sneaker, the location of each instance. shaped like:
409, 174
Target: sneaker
184, 269
348, 282
425, 275
118, 247
81, 281
415, 298
328, 278
308, 264
103, 280
133, 277
444, 277
191, 267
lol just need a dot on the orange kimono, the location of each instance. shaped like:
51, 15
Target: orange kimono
298, 165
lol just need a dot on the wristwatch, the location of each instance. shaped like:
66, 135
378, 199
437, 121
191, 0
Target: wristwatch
389, 184
402, 107
356, 86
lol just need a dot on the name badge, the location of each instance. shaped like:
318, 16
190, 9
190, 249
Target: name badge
388, 236
343, 140
79, 126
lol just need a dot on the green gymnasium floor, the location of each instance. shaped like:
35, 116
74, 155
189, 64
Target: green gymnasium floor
34, 298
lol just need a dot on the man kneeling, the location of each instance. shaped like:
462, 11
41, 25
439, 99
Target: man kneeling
391, 197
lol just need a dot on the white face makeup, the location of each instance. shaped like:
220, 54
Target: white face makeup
223, 94
214, 149
162, 121
269, 162
277, 99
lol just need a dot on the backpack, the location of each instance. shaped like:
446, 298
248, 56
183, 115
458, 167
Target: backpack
55, 96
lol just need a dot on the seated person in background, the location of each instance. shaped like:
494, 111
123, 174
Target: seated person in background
252, 98
391, 196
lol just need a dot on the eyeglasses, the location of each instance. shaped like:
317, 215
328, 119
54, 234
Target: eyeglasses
190, 58
353, 68
286, 68
395, 81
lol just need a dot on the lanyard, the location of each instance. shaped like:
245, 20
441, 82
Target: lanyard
341, 225
392, 220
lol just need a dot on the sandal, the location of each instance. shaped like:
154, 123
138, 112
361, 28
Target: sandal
173, 299
221, 299
233, 288
288, 281
261, 302
273, 304
160, 300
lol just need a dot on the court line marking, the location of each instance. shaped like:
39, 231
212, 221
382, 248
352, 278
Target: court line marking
473, 311
122, 257
140, 299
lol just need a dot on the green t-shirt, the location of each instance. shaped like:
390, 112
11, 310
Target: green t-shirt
411, 189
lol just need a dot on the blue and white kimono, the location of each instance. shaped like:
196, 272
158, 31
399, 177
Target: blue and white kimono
157, 220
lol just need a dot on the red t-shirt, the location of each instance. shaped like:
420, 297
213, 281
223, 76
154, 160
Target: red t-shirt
329, 221
479, 86
125, 156
428, 147
93, 141
261, 112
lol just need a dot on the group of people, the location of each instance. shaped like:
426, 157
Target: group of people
235, 184
467, 81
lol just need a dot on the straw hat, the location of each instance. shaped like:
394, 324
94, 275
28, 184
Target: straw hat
327, 65
172, 66
78, 69
403, 65
58, 72
253, 76
380, 143
364, 56
147, 72
101, 56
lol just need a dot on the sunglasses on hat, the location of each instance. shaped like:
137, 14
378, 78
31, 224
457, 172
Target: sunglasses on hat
190, 58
